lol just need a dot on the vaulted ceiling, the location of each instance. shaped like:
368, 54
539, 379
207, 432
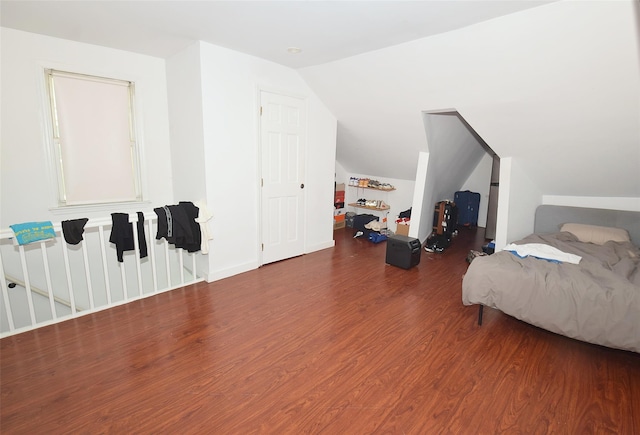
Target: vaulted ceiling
552, 84
556, 87
324, 30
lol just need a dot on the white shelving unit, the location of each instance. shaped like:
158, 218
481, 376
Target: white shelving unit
363, 191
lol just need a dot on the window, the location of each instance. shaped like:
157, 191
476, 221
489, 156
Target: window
95, 149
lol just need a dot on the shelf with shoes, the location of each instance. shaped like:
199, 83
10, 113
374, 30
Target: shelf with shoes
379, 189
366, 183
382, 207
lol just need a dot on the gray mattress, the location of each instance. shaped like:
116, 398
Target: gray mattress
597, 300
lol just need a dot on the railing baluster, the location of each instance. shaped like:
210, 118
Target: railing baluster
193, 267
45, 262
152, 253
27, 285
181, 260
67, 269
5, 296
105, 268
166, 259
123, 275
72, 264
87, 274
136, 249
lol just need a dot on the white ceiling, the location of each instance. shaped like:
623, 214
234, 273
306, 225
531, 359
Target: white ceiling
324, 30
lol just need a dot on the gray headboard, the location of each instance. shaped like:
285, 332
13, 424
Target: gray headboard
549, 218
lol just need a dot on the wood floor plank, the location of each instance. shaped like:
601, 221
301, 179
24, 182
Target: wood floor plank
331, 342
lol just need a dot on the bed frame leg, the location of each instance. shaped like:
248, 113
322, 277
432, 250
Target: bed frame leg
480, 309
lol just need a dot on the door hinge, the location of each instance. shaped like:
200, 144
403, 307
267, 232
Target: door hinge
262, 182
260, 110
262, 246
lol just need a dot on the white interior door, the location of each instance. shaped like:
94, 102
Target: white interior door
283, 137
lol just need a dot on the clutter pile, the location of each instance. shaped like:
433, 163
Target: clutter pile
403, 222
370, 227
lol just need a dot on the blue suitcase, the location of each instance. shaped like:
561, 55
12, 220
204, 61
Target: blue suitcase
468, 204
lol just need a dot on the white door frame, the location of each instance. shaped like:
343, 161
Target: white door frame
261, 157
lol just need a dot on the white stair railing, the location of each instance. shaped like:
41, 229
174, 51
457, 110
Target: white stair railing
66, 281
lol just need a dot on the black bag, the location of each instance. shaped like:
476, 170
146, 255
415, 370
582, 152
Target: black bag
405, 214
349, 219
437, 243
445, 218
360, 220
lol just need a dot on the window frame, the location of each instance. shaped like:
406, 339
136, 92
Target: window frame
55, 147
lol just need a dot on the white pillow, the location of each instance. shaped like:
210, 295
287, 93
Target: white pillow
596, 234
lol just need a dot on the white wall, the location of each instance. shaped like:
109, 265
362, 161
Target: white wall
454, 153
321, 159
341, 173
556, 85
214, 123
231, 83
610, 203
517, 202
422, 201
184, 86
28, 186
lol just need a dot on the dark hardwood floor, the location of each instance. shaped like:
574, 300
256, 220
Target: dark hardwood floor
333, 342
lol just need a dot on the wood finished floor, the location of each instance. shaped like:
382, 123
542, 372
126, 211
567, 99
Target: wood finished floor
334, 342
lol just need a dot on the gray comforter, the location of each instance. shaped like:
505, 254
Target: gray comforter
597, 300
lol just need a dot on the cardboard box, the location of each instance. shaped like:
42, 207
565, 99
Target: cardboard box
338, 225
339, 218
402, 230
340, 186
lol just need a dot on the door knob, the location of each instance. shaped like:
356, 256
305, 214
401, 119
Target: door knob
302, 186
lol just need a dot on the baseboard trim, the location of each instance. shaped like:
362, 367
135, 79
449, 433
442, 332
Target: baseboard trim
217, 275
320, 246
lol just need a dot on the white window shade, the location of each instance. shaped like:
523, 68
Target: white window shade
94, 139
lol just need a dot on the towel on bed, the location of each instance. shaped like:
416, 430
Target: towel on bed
543, 252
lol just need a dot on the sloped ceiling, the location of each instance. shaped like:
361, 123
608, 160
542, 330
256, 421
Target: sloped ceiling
555, 87
324, 30
454, 153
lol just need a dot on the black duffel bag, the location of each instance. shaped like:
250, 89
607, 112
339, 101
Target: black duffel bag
437, 243
360, 220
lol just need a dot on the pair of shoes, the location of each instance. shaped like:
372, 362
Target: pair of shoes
433, 248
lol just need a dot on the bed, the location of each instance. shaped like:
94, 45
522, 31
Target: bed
594, 299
